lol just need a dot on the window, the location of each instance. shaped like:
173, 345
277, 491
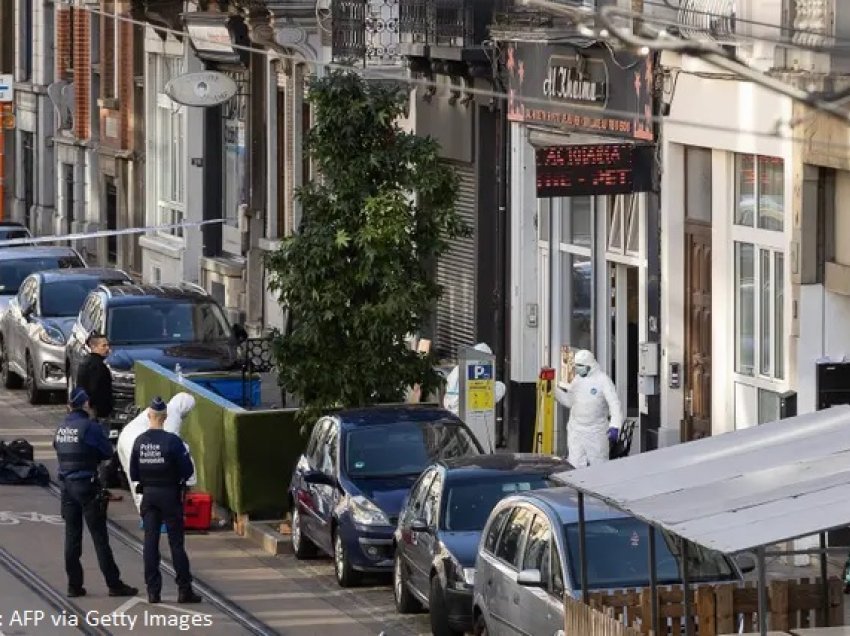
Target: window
759, 311
110, 27
698, 184
329, 448
13, 272
509, 547
760, 192
27, 294
168, 148
167, 322
536, 555
404, 448
25, 18
557, 586
315, 440
417, 496
624, 225
494, 530
235, 184
64, 298
468, 504
431, 504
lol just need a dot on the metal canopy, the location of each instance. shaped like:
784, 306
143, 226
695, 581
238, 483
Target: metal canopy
737, 491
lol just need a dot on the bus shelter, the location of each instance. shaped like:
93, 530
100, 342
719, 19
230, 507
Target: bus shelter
739, 493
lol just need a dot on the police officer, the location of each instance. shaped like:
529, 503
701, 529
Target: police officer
161, 463
80, 444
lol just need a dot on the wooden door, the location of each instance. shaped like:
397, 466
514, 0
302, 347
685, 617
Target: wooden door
697, 380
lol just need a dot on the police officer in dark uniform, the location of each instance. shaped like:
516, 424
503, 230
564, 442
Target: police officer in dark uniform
161, 463
80, 445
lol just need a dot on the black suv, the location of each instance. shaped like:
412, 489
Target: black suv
166, 324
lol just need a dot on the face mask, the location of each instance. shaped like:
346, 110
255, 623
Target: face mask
582, 371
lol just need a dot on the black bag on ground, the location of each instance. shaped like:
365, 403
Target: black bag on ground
22, 449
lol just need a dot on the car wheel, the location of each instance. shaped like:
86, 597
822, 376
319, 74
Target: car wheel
480, 628
34, 395
302, 547
9, 379
346, 575
439, 612
405, 602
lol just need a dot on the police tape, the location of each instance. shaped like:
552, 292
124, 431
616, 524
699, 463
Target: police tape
80, 236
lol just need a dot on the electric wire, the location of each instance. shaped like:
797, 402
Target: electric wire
778, 133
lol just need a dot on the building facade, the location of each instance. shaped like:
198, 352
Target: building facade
583, 215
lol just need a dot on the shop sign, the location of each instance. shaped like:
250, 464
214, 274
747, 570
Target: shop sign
208, 88
591, 89
564, 171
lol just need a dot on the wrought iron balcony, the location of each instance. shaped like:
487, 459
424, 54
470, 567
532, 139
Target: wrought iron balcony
366, 31
708, 19
436, 27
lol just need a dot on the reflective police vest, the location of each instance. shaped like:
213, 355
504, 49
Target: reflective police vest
157, 464
73, 453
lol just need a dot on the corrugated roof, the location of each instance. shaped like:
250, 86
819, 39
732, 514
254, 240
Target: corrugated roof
740, 490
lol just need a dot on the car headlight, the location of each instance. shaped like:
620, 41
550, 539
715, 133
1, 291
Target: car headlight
121, 377
459, 577
51, 335
365, 513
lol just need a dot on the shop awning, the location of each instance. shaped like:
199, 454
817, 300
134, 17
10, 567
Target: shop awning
212, 37
737, 491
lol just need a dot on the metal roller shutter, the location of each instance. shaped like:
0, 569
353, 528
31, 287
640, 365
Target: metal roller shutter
456, 273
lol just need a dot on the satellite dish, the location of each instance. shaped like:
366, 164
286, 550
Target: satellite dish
208, 88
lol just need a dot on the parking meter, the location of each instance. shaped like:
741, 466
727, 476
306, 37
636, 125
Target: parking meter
477, 388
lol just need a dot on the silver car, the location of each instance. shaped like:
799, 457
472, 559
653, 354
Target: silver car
35, 328
16, 263
528, 560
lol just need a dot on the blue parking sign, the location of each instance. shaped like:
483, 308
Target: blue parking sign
479, 372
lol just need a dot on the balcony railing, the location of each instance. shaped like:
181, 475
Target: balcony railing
366, 31
714, 19
448, 23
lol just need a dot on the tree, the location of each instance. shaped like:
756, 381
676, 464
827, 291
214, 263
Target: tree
357, 277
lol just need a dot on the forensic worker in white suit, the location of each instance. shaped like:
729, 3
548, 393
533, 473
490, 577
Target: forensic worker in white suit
595, 412
178, 408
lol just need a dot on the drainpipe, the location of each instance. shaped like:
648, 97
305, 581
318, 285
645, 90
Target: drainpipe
503, 301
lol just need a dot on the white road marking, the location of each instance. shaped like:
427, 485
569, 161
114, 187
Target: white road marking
138, 600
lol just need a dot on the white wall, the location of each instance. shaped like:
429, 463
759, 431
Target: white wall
524, 289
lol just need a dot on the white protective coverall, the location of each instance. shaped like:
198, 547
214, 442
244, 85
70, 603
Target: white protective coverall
592, 400
178, 408
451, 400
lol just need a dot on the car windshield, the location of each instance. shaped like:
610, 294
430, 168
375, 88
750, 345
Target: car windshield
64, 298
404, 448
467, 505
13, 272
8, 235
166, 322
617, 556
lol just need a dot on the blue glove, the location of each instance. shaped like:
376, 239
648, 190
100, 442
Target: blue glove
613, 434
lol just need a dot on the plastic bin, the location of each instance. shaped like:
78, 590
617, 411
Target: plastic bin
197, 511
231, 388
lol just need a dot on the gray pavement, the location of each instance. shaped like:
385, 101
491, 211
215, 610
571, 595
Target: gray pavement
292, 597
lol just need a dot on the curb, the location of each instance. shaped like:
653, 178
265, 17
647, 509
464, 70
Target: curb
263, 534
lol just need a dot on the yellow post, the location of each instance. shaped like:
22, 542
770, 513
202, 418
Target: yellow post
544, 427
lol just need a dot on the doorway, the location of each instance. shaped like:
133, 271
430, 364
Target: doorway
624, 310
111, 221
696, 423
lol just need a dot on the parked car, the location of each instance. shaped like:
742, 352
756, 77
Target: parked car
348, 486
34, 330
10, 230
440, 526
528, 560
16, 263
166, 324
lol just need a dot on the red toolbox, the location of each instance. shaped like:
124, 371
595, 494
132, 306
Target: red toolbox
197, 511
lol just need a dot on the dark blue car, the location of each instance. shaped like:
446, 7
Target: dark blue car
440, 528
349, 485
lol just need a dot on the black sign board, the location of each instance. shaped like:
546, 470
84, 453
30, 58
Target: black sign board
564, 171
585, 89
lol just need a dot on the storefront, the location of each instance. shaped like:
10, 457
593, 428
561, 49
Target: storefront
582, 160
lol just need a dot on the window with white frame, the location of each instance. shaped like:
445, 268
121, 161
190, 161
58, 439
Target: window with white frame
167, 147
759, 267
624, 225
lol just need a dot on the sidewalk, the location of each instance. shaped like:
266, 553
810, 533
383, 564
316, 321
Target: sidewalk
296, 598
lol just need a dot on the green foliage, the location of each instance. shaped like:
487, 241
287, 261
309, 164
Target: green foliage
355, 278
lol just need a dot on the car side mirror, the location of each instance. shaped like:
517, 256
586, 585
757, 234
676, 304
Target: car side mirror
746, 563
419, 525
529, 578
319, 478
239, 333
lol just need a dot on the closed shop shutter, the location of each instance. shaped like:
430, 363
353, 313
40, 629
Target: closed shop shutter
456, 273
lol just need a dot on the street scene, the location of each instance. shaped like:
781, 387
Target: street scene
446, 317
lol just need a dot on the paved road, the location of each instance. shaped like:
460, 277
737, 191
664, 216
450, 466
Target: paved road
290, 597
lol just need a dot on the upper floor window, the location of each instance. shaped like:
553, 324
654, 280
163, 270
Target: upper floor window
760, 192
